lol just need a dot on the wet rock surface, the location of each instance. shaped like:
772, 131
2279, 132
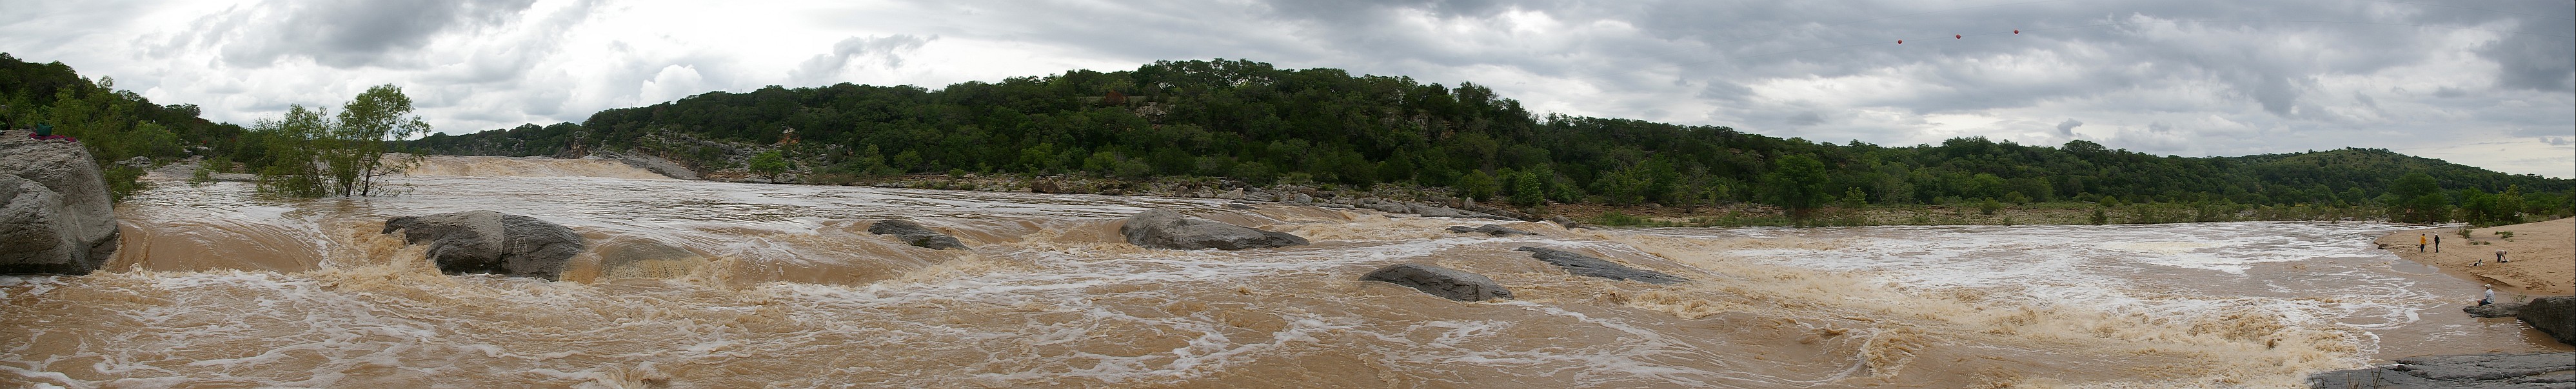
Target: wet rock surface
2541, 370
1583, 265
1489, 229
2554, 315
491, 242
1165, 229
914, 234
2493, 310
54, 211
1440, 281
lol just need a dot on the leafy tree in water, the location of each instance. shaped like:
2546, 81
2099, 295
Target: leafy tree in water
314, 155
354, 151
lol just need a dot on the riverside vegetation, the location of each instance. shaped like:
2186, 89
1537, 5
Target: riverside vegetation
1244, 124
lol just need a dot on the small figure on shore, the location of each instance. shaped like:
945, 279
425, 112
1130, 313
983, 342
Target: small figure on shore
2500, 256
2437, 243
2419, 242
2490, 295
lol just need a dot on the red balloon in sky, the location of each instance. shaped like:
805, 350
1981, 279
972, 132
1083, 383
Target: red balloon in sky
1956, 37
2016, 32
1900, 41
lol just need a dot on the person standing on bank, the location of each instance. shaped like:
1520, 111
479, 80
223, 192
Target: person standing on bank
2419, 243
2437, 243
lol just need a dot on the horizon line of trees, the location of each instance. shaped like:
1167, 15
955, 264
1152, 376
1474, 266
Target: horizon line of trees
1252, 123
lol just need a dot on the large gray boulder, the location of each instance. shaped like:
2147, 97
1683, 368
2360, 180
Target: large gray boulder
914, 234
2554, 315
1164, 229
1440, 281
1583, 265
2498, 370
491, 242
54, 211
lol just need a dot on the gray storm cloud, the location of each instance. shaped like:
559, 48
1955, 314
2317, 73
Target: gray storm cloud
822, 69
345, 33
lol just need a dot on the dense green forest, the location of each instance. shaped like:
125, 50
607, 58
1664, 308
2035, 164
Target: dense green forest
115, 125
1259, 125
1255, 124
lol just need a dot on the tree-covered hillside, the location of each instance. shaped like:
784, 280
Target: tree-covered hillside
1258, 124
115, 125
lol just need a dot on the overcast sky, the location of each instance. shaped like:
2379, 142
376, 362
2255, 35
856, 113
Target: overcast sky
2485, 83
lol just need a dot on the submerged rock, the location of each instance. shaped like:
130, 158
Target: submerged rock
916, 235
1489, 229
1582, 265
2496, 370
2493, 310
491, 242
54, 211
1159, 228
1440, 281
2554, 315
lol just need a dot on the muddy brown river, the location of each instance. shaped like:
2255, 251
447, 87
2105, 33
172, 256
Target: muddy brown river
692, 284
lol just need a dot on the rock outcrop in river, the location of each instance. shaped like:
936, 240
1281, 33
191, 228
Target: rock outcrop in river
2543, 370
54, 211
1489, 230
1583, 265
914, 234
491, 242
1165, 229
1440, 281
2554, 315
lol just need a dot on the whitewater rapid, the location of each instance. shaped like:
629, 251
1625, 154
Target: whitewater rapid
720, 285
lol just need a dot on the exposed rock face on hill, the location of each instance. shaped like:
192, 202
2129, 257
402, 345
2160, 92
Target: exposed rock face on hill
914, 234
1440, 281
491, 242
1583, 265
54, 211
1165, 229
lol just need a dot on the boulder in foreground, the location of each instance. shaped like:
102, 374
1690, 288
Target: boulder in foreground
916, 235
1165, 229
1583, 265
491, 242
54, 211
2541, 370
1440, 281
2554, 315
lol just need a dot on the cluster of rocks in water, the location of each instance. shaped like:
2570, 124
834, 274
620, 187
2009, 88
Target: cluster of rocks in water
55, 216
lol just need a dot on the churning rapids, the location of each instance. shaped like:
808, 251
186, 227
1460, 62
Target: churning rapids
692, 284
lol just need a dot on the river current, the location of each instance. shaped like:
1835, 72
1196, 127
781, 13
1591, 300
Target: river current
692, 284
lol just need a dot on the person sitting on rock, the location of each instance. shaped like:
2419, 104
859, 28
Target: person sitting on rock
2490, 295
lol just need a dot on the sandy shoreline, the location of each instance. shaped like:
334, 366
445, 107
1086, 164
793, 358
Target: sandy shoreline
2543, 255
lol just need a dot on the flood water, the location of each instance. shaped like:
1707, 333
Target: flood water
691, 284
